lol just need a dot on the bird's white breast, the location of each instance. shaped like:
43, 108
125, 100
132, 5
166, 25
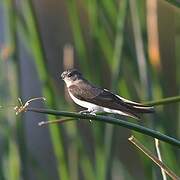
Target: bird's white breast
95, 107
81, 103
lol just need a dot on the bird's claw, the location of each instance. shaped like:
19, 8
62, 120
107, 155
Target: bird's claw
84, 112
88, 112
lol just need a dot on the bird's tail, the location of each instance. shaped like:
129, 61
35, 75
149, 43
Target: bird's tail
135, 111
143, 109
137, 107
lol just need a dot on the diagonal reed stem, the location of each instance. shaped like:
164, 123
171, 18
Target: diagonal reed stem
107, 119
174, 2
163, 101
160, 158
168, 171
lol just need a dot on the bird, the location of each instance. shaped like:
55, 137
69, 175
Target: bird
96, 99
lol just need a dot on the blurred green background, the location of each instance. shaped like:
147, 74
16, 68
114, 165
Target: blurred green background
129, 46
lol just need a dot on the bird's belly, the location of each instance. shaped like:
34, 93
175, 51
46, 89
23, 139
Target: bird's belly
84, 104
95, 107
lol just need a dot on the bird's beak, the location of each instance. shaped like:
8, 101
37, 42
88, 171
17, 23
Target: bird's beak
62, 76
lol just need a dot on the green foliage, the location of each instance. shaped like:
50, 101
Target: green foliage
111, 120
111, 44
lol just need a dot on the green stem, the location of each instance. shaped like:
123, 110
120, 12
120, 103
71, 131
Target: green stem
150, 155
168, 100
114, 121
174, 2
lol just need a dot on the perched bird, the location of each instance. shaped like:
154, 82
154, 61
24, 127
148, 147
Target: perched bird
96, 99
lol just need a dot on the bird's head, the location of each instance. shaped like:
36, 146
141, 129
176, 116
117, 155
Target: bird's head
70, 76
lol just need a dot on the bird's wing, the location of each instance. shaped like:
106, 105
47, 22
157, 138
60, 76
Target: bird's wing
84, 92
141, 107
101, 97
105, 98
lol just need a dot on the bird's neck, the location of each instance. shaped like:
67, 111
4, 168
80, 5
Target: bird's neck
81, 82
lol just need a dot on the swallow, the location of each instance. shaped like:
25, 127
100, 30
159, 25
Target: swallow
96, 99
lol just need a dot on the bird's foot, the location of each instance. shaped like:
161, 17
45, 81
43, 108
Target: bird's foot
84, 112
92, 112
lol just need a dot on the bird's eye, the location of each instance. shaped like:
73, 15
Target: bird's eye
69, 75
